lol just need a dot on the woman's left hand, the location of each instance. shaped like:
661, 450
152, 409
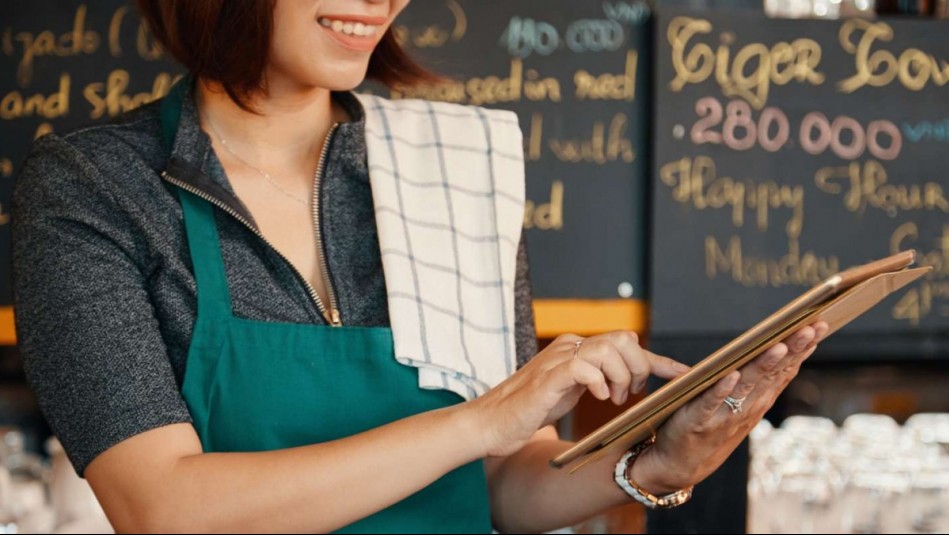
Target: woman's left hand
702, 434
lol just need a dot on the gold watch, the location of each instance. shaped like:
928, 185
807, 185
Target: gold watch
623, 471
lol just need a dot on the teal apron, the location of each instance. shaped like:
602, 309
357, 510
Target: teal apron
261, 386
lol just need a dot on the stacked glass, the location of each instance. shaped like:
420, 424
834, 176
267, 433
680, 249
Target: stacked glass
868, 476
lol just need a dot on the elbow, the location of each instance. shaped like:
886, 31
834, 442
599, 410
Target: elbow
161, 518
161, 525
144, 522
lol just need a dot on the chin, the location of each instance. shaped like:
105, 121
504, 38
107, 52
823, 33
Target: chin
345, 78
344, 83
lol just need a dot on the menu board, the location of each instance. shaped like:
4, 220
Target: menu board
575, 73
67, 64
787, 150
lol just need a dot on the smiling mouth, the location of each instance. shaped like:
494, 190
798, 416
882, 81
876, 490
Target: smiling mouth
349, 28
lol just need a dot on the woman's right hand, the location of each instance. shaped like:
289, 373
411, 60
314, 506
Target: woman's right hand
610, 366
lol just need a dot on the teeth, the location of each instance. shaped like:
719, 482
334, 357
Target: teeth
358, 29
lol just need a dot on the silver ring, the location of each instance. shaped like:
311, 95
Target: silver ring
576, 348
734, 404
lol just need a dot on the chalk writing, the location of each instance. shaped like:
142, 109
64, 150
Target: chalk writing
605, 144
434, 35
920, 300
831, 134
694, 62
926, 131
867, 187
18, 104
77, 41
526, 36
913, 68
608, 86
695, 183
627, 12
115, 31
485, 90
771, 131
795, 268
110, 98
547, 215
906, 236
43, 129
595, 35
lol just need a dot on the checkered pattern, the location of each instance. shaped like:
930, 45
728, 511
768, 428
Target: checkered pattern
448, 188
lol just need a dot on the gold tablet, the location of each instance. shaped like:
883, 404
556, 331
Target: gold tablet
837, 300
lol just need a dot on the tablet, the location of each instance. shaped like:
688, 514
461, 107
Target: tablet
837, 300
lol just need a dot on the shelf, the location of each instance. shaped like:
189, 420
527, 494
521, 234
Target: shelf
587, 317
7, 332
552, 316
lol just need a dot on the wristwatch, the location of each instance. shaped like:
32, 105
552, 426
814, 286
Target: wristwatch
623, 471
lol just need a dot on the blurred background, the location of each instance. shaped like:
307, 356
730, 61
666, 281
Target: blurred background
691, 166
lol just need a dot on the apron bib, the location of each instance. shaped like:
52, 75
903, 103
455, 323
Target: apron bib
262, 386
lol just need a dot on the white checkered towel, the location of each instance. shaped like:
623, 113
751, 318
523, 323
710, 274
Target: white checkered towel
448, 188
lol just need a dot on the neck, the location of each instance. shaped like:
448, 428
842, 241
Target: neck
287, 132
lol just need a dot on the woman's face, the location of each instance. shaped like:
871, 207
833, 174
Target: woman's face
326, 43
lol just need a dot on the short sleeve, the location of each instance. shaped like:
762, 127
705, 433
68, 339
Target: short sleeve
92, 348
525, 333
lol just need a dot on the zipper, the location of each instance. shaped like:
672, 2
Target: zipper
331, 317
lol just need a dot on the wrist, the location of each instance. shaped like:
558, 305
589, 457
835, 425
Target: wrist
469, 429
623, 475
647, 473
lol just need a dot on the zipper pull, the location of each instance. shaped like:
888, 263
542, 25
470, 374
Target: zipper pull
335, 321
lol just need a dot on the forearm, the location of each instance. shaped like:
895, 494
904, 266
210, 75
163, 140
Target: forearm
528, 496
315, 488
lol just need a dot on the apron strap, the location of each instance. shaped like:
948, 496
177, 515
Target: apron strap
204, 244
170, 113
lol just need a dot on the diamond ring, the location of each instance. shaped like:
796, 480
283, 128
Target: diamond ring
734, 404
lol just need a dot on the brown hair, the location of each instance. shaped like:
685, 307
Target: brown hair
227, 42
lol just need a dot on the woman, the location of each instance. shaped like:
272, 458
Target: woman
181, 277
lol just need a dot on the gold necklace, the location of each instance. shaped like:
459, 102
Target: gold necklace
265, 174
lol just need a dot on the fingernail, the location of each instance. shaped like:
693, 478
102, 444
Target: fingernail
681, 368
623, 397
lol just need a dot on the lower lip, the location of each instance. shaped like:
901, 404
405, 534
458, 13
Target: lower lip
352, 42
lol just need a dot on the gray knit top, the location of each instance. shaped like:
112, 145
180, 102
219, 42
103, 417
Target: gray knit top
104, 292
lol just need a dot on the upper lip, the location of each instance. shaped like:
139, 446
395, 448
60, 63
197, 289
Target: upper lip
365, 19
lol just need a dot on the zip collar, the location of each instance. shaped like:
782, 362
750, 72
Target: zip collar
181, 131
191, 153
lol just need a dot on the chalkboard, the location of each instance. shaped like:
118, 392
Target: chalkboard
575, 72
67, 64
786, 150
